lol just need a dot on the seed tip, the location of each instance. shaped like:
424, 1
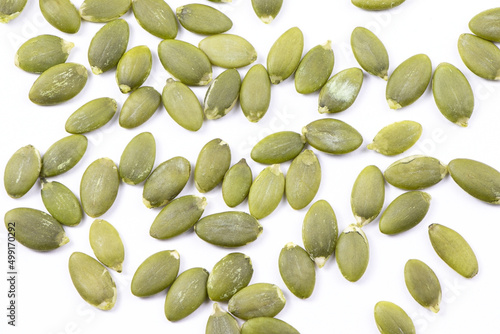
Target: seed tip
96, 70
320, 261
267, 19
393, 104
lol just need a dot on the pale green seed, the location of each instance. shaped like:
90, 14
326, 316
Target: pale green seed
255, 93
267, 325
35, 229
231, 274
285, 55
236, 184
222, 94
156, 17
228, 51
487, 24
202, 19
99, 11
91, 116
10, 9
396, 138
133, 68
92, 281
368, 195
107, 244
108, 46
138, 158
156, 273
182, 105
405, 212
40, 53
390, 319
297, 270
257, 300
370, 52
61, 203
415, 172
22, 171
63, 155
278, 147
267, 10
340, 92
139, 107
332, 136
352, 253
377, 4
314, 69
266, 192
221, 321
61, 14
302, 180
423, 284
481, 57
212, 164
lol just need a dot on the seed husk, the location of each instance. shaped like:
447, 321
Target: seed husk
267, 325
231, 274
182, 105
22, 171
314, 69
156, 273
481, 57
186, 294
222, 94
91, 116
255, 93
266, 192
453, 94
302, 180
453, 250
228, 50
99, 11
166, 182
40, 53
186, 62
266, 10
376, 4
139, 107
99, 187
390, 318
487, 24
58, 84
61, 14
423, 284
63, 155
9, 10
35, 229
396, 138
370, 52
278, 147
236, 184
133, 68
415, 172
138, 158
221, 321
156, 17
332, 136
297, 270
405, 212
108, 46
257, 300
212, 164
352, 253
107, 244
202, 19
368, 195
61, 203
285, 55
340, 92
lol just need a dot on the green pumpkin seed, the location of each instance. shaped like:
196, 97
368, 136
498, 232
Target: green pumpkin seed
156, 17
138, 158
92, 281
352, 253
22, 171
278, 147
255, 93
314, 69
139, 107
396, 138
368, 195
61, 14
133, 68
266, 10
236, 183
453, 94
332, 136
212, 164
107, 244
487, 24
35, 229
98, 11
222, 94
302, 180
156, 273
297, 270
185, 62
9, 10
228, 51
108, 46
377, 4
63, 155
370, 52
231, 274
186, 294
481, 57
267, 325
340, 91
182, 105
405, 212
202, 19
91, 116
415, 172
285, 55
228, 229
320, 232
166, 182
58, 84
61, 203
454, 250
423, 284
257, 300
221, 321
266, 192
390, 318
40, 53
222, 1
99, 187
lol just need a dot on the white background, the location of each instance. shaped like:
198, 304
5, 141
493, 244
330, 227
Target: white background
49, 304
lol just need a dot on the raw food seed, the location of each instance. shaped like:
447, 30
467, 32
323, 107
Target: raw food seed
133, 68
415, 172
212, 164
63, 155
182, 105
91, 116
352, 253
139, 107
370, 52
40, 53
61, 203
266, 192
22, 171
255, 93
340, 92
203, 19
99, 11
481, 57
315, 69
221, 321
228, 51
278, 147
267, 325
423, 284
396, 138
231, 274
107, 244
303, 179
138, 158
61, 14
156, 17
368, 195
156, 273
405, 212
297, 270
236, 184
9, 10
332, 136
487, 24
108, 46
222, 94
266, 10
377, 4
257, 300
285, 55
390, 319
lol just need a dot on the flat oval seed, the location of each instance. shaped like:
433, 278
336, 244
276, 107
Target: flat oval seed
61, 14
222, 94
370, 52
231, 274
212, 164
92, 281
266, 192
255, 93
35, 229
58, 84
9, 10
405, 212
228, 51
99, 187
302, 180
453, 94
396, 138
202, 19
267, 325
285, 55
185, 62
352, 253
320, 232
108, 46
61, 203
377, 4
221, 321
391, 318
107, 244
314, 69
340, 92
487, 24
98, 11
278, 147
454, 250
236, 184
266, 10
139, 107
40, 53
297, 270
368, 195
481, 57
423, 284
166, 182
257, 300
133, 68
22, 171
91, 116
156, 273
156, 17
182, 105
186, 294
63, 155
332, 136
138, 158
178, 217
415, 172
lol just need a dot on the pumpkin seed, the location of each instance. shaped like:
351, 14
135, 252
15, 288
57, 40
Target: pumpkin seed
285, 55
156, 17
266, 10
222, 94
390, 318
40, 53
221, 321
231, 274
332, 136
212, 164
352, 253
61, 14
182, 105
340, 91
267, 325
415, 172
423, 284
297, 270
108, 46
486, 24
22, 171
98, 11
107, 244
370, 52
202, 19
156, 273
61, 203
367, 196
139, 107
266, 192
481, 57
236, 183
9, 10
405, 212
314, 69
377, 4
63, 155
278, 147
133, 68
91, 116
138, 158
302, 180
257, 300
255, 93
228, 51
396, 138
